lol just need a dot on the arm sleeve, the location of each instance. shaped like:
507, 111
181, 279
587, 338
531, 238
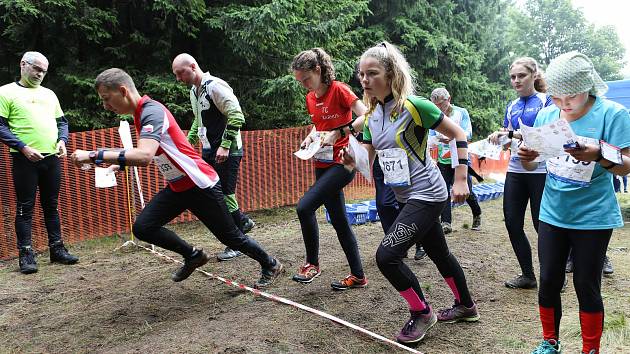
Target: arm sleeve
367, 135
227, 103
62, 127
192, 133
7, 136
152, 122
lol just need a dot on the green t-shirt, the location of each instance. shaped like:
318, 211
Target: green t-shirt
32, 115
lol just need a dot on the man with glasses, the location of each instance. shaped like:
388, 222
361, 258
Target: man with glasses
32, 124
441, 98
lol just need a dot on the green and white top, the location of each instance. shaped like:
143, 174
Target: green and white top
400, 139
218, 113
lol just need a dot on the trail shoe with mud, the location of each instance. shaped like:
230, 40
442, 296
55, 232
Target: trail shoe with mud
197, 259
349, 282
59, 254
521, 282
458, 313
268, 276
416, 327
307, 273
27, 260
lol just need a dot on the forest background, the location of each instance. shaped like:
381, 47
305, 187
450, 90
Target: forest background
463, 45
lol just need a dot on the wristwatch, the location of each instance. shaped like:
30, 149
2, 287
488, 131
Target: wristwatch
92, 156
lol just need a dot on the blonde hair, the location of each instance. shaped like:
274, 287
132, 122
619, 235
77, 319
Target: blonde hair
532, 66
396, 70
308, 60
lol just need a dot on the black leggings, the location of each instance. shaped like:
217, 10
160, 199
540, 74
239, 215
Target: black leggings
386, 204
207, 205
328, 191
519, 189
418, 222
588, 249
27, 178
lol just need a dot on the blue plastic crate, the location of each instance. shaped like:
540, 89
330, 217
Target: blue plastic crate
357, 214
373, 214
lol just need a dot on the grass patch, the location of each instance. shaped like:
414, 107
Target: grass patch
624, 203
513, 344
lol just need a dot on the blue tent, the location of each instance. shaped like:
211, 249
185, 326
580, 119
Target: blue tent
619, 91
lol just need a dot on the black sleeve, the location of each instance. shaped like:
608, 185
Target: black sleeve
7, 136
62, 127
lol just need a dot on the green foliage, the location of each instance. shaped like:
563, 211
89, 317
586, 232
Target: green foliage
465, 46
548, 28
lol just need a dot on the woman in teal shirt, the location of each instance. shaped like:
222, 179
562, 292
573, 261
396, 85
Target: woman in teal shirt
579, 209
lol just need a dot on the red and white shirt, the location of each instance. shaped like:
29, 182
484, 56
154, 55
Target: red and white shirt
330, 111
178, 161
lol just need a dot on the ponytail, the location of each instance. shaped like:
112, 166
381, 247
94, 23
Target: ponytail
308, 60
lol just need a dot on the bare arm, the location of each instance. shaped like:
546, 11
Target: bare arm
140, 156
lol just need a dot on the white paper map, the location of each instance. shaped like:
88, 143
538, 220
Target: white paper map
310, 150
548, 140
360, 155
484, 148
104, 178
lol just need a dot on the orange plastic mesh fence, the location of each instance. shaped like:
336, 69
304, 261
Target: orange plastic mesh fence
270, 176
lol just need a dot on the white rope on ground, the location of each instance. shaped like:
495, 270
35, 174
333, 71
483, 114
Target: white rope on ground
288, 302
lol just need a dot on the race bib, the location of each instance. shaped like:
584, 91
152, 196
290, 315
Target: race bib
569, 170
201, 133
325, 153
611, 153
166, 167
395, 165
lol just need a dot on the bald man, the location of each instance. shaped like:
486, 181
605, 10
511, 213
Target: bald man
32, 124
217, 122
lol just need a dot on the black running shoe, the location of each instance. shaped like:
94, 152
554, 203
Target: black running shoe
420, 253
268, 276
521, 282
196, 260
28, 260
59, 254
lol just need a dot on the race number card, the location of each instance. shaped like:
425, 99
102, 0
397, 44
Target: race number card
611, 153
395, 165
166, 167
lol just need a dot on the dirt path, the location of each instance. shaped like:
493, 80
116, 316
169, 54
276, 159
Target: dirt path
115, 302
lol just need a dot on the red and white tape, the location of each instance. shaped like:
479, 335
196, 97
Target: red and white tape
290, 303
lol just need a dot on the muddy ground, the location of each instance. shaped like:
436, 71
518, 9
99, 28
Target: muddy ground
124, 301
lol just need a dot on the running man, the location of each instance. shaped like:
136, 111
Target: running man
192, 183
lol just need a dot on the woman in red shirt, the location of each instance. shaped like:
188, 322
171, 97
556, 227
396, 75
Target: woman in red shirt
330, 104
